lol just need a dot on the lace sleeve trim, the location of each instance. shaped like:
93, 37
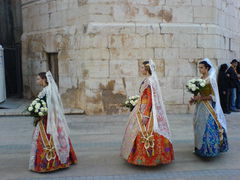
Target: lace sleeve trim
42, 93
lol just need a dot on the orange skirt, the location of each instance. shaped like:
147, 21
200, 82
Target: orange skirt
42, 164
163, 152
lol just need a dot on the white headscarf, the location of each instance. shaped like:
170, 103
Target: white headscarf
218, 109
56, 123
161, 125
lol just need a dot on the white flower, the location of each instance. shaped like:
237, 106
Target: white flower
45, 109
42, 109
202, 84
30, 108
194, 88
189, 84
40, 114
126, 102
38, 105
34, 102
36, 111
132, 102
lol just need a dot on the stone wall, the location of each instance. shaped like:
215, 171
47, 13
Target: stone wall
100, 44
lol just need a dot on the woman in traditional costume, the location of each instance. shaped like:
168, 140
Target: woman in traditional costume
51, 145
210, 128
147, 140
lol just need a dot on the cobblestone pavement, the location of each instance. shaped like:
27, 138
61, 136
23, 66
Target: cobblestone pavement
97, 141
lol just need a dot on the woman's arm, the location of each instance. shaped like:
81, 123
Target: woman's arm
200, 98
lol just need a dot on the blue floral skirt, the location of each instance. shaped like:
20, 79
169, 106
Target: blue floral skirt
211, 145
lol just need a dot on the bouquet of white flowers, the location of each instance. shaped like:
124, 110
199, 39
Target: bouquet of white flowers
37, 109
131, 102
195, 85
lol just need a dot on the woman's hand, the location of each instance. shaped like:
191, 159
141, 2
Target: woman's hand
191, 101
195, 99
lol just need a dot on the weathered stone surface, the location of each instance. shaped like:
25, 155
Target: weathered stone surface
101, 43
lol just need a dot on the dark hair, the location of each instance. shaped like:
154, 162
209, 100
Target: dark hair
223, 68
147, 67
234, 61
43, 76
208, 66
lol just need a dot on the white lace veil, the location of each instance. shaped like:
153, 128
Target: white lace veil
161, 125
218, 109
57, 124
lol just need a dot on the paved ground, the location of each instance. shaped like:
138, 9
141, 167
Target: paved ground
97, 141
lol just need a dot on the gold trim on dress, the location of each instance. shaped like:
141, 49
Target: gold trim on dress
49, 148
213, 113
147, 134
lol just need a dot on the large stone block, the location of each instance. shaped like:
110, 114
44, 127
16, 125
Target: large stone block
191, 53
123, 68
215, 53
166, 53
147, 3
43, 22
92, 41
184, 40
104, 18
126, 40
130, 54
132, 85
56, 19
178, 2
93, 54
196, 2
179, 67
110, 28
178, 109
65, 81
172, 96
43, 8
180, 28
210, 41
205, 15
109, 96
63, 4
145, 29
182, 14
159, 40
100, 9
95, 68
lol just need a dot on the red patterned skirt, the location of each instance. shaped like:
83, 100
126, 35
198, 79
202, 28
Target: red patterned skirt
163, 152
45, 161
